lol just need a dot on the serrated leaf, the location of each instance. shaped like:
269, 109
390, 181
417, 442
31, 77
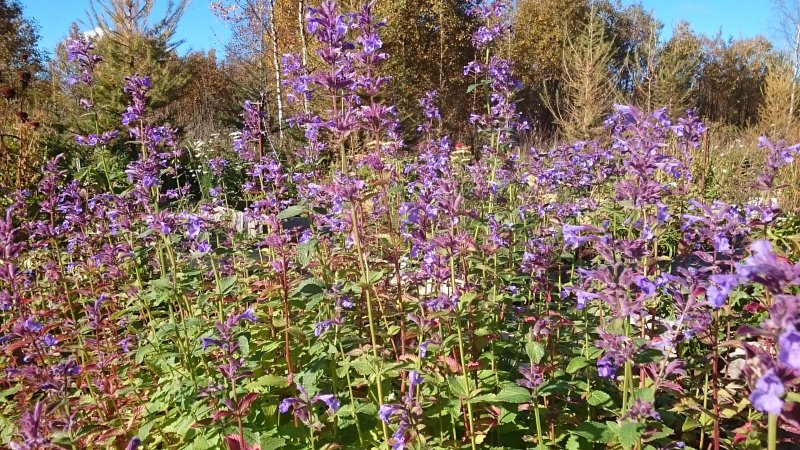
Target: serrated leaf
292, 211
535, 351
372, 277
514, 394
577, 363
227, 284
598, 398
306, 251
593, 432
272, 443
629, 434
268, 381
244, 345
458, 387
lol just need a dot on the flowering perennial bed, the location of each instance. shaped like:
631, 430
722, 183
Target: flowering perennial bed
392, 294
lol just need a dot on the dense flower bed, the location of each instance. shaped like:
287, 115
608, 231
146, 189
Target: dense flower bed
420, 294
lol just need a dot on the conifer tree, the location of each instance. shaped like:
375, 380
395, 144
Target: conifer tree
588, 86
131, 41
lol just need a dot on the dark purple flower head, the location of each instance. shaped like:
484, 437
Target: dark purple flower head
532, 376
81, 50
137, 87
607, 366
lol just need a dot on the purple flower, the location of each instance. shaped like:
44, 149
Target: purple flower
607, 367
789, 343
286, 404
717, 293
329, 399
768, 393
203, 247
32, 326
721, 243
386, 412
573, 239
248, 315
765, 268
134, 444
49, 340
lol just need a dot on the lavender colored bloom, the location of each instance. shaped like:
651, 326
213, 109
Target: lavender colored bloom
721, 243
414, 378
607, 367
789, 344
204, 247
573, 239
584, 298
768, 393
385, 412
301, 404
329, 399
532, 376
32, 326
248, 315
764, 267
717, 293
134, 444
286, 404
49, 340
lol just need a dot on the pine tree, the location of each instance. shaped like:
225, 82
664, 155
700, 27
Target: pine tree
130, 41
588, 86
777, 116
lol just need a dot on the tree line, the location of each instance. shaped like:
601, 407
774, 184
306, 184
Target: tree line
574, 58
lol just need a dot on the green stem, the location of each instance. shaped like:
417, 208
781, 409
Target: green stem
772, 432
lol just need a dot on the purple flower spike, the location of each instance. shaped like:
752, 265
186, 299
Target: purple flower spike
248, 315
766, 397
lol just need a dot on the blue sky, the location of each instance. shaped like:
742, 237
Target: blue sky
736, 18
199, 27
203, 31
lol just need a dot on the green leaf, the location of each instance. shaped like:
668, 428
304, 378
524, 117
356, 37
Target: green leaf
645, 394
599, 398
472, 87
458, 387
629, 434
593, 432
268, 381
272, 442
577, 363
535, 351
309, 286
514, 394
372, 277
244, 345
227, 284
292, 211
306, 251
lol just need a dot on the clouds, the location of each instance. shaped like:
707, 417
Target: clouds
93, 33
